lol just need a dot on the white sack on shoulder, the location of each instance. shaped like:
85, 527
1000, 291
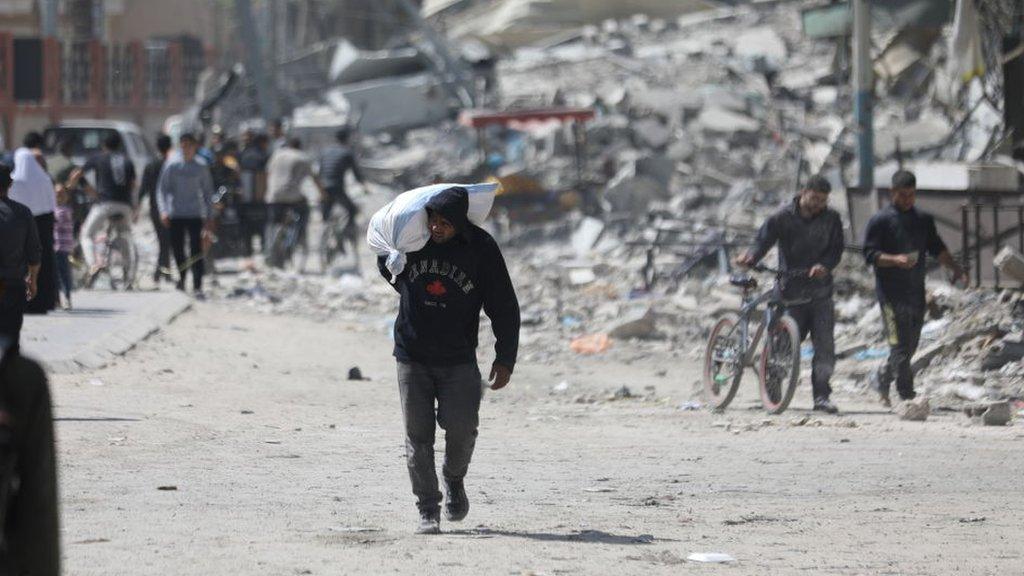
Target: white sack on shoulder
400, 226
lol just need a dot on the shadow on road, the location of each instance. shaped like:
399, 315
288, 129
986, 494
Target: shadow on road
90, 312
95, 419
584, 536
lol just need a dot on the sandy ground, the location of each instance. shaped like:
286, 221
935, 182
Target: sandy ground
280, 466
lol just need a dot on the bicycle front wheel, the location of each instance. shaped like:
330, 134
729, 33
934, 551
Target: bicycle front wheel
780, 365
122, 264
723, 362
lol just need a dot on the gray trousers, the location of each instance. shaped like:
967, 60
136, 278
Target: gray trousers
456, 391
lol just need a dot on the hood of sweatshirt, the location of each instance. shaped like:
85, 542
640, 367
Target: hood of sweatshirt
453, 205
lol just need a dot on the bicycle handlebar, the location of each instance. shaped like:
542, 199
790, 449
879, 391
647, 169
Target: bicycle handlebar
794, 273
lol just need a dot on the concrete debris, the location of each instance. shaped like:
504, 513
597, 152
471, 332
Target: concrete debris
916, 410
586, 235
762, 48
990, 414
718, 120
1010, 263
637, 325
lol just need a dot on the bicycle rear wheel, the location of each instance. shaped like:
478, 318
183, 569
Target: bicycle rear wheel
298, 251
277, 250
780, 365
723, 363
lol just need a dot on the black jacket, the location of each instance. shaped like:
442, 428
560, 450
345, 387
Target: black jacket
891, 231
803, 242
444, 286
19, 240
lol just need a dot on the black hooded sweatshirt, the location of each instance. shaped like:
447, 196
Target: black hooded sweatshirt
444, 286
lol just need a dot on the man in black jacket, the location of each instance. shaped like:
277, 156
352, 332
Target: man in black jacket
442, 288
810, 237
335, 162
895, 243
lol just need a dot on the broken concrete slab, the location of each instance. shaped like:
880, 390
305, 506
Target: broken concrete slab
1002, 353
990, 413
1010, 263
350, 65
762, 48
916, 410
651, 133
586, 235
397, 103
636, 325
718, 120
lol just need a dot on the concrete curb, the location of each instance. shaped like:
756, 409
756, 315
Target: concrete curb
108, 346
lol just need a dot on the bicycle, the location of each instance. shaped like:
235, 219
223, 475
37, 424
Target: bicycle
339, 238
731, 348
117, 256
287, 246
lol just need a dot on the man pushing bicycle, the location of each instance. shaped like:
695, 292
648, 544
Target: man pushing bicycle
810, 237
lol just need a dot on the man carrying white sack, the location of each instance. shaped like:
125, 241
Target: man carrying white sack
443, 286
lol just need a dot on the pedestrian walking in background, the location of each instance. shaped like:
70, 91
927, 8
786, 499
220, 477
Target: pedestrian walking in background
810, 237
185, 197
147, 189
32, 187
20, 260
896, 241
336, 161
252, 164
287, 171
442, 290
64, 244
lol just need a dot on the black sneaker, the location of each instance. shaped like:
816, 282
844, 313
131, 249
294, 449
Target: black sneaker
456, 505
825, 405
430, 522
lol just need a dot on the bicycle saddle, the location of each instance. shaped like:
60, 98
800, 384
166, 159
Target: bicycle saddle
743, 281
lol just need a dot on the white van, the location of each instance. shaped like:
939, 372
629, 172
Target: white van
88, 136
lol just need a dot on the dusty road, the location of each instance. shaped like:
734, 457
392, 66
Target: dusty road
281, 466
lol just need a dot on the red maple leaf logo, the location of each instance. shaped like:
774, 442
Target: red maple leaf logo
436, 288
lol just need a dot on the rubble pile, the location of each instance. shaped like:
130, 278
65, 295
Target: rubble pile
702, 126
971, 350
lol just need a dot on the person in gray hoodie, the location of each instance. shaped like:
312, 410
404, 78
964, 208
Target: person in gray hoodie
185, 198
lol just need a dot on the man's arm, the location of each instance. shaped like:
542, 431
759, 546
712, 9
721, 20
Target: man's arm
33, 256
873, 245
382, 266
502, 307
947, 260
936, 247
131, 186
32, 281
319, 186
767, 236
833, 250
164, 188
357, 171
206, 186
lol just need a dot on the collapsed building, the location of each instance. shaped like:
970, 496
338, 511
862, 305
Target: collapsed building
638, 153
